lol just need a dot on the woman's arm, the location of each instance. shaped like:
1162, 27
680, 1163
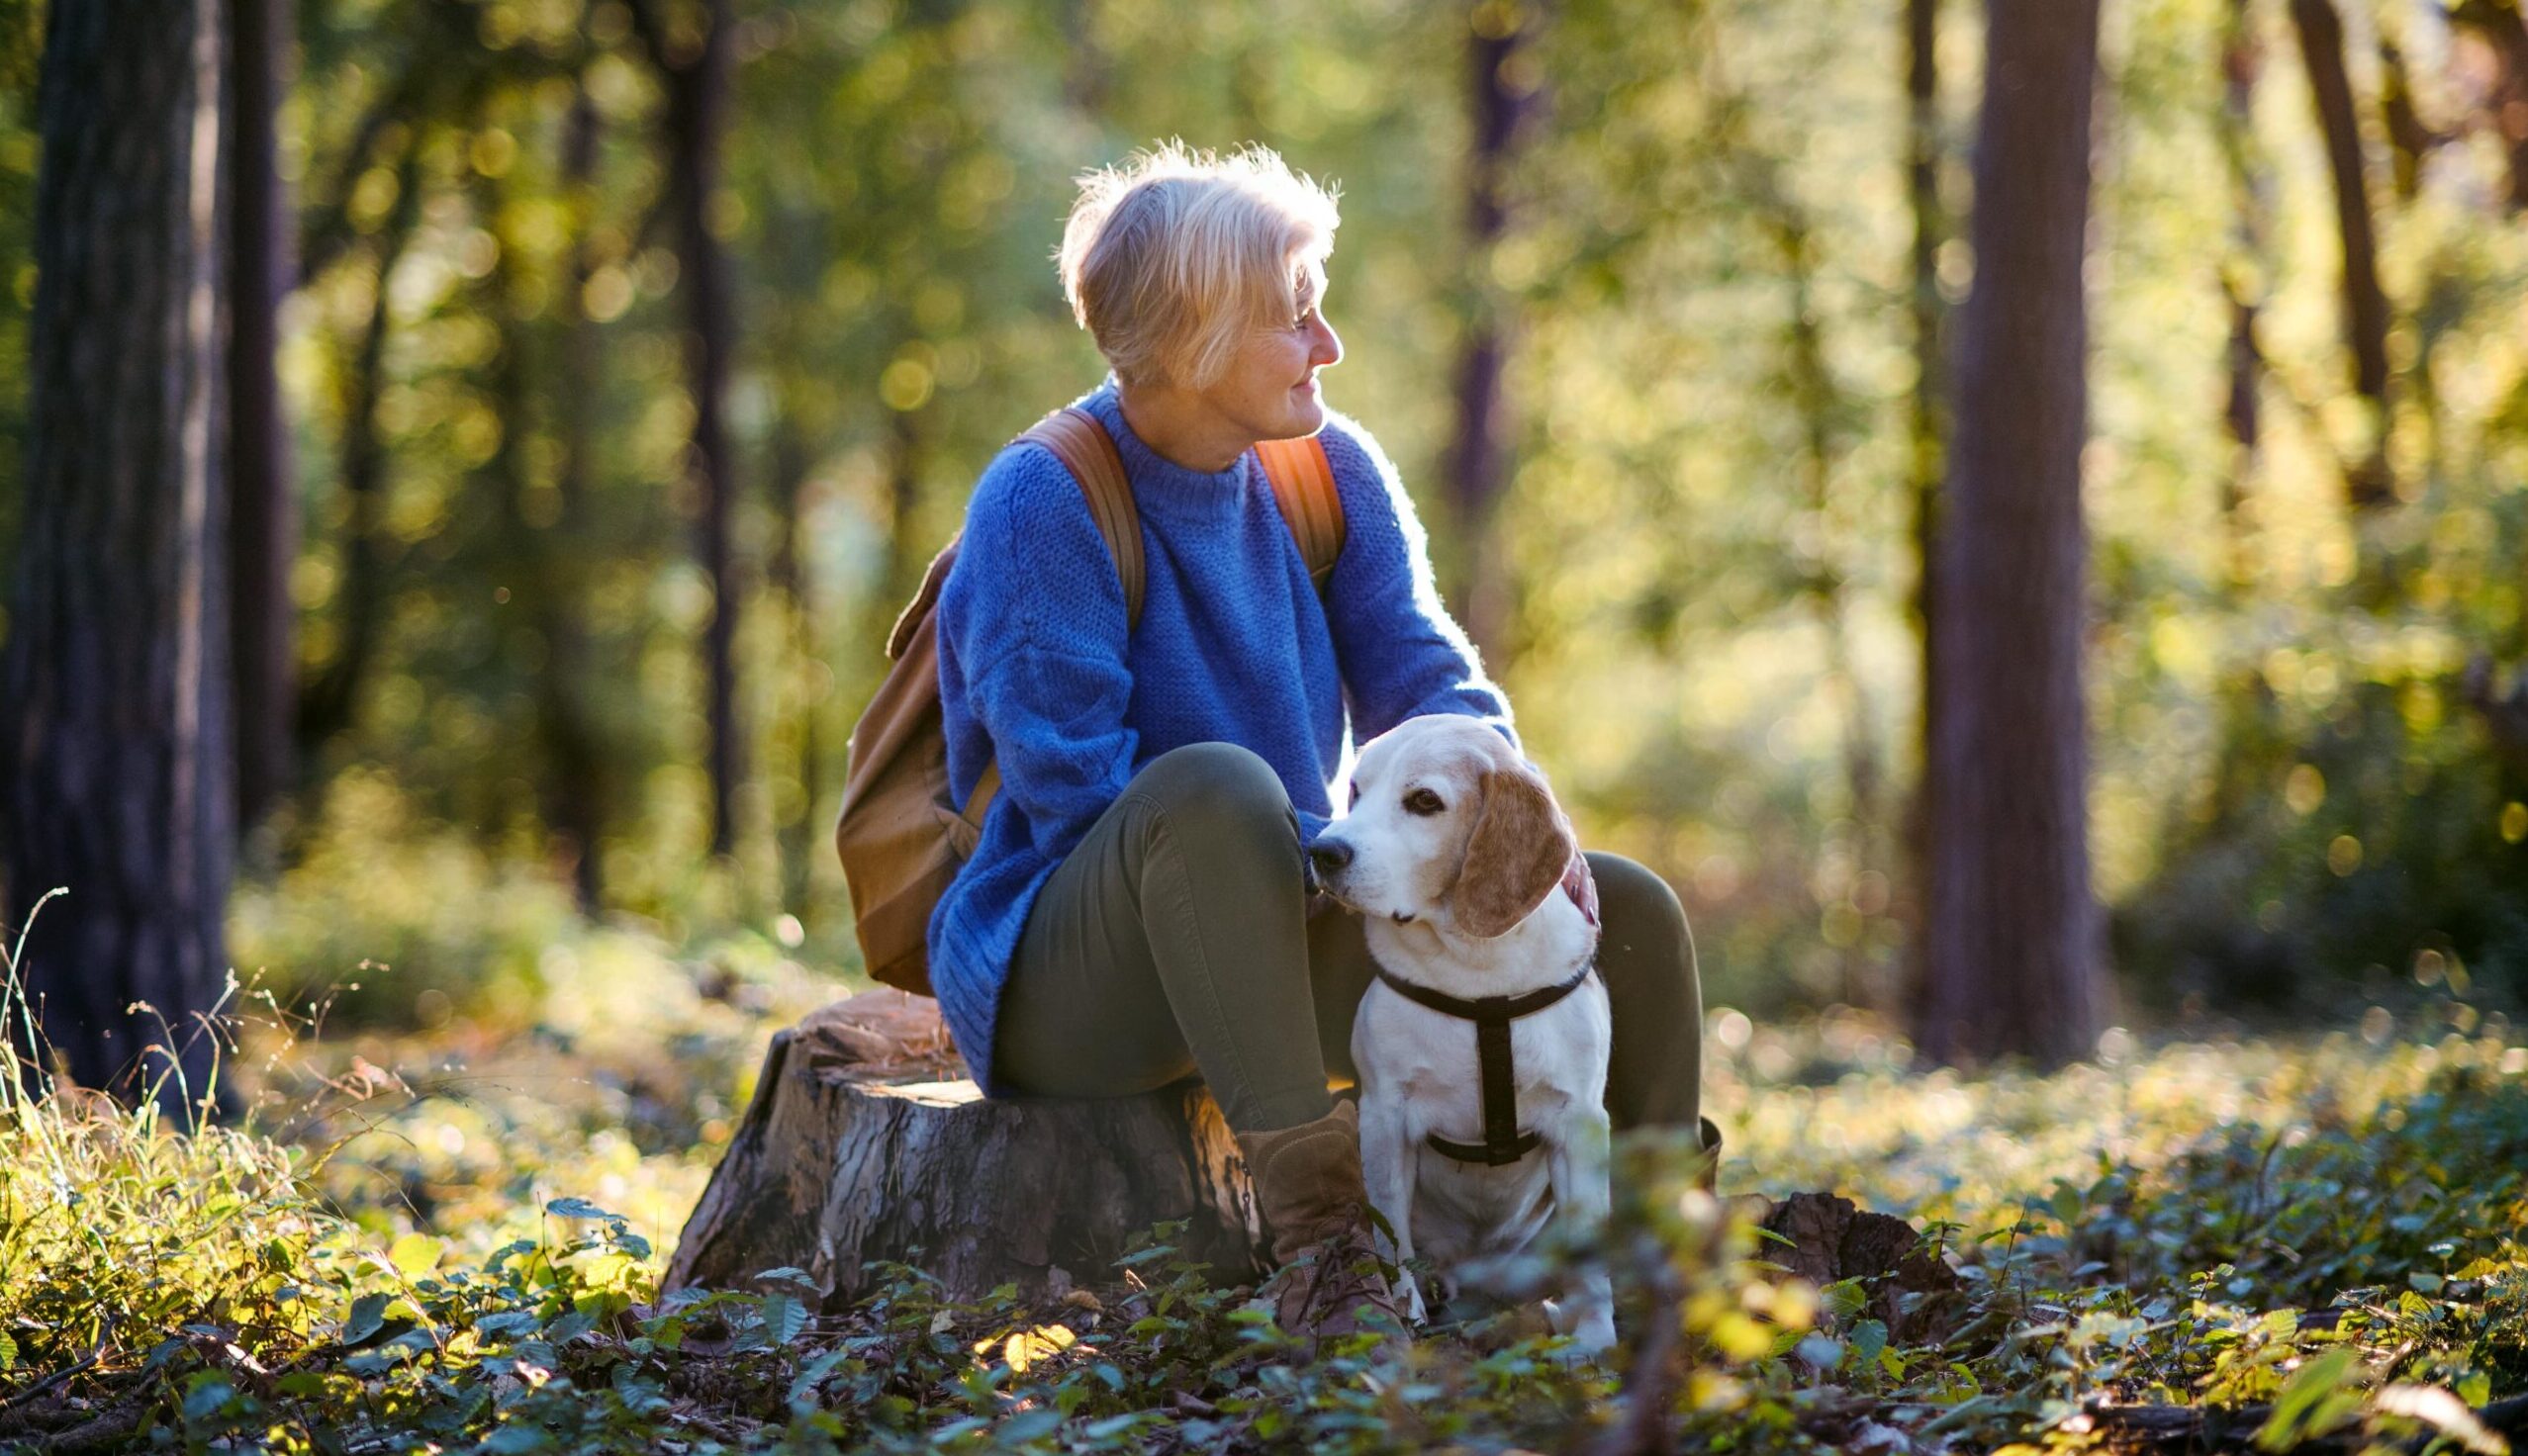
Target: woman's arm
1401, 653
1032, 624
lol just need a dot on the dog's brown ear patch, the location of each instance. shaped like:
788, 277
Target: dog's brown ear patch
1517, 854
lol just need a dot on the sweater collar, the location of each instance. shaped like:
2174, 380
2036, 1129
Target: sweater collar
1157, 481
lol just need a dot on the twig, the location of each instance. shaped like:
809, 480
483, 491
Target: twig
1650, 1387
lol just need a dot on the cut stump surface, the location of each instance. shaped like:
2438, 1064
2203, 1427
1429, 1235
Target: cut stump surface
865, 1143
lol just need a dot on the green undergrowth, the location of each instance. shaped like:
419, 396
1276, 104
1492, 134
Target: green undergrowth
454, 1243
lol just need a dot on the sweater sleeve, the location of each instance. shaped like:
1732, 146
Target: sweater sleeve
1402, 655
1033, 613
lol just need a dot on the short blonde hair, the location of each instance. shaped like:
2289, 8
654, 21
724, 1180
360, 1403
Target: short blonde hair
1172, 259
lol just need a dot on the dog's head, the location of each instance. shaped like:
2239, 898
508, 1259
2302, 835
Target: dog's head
1447, 825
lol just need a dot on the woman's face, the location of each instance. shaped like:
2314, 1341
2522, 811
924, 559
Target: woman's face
1269, 388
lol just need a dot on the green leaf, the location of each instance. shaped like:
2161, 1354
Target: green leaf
2317, 1398
2424, 1282
367, 1317
517, 1440
803, 1391
8, 1351
783, 1318
1869, 1337
1822, 1352
416, 1255
1844, 1298
577, 1208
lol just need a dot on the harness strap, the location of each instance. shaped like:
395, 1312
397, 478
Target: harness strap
1503, 1141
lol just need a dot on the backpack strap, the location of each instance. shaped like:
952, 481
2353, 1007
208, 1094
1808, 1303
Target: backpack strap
1302, 480
1085, 450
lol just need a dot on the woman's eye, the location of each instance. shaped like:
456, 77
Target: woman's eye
1423, 801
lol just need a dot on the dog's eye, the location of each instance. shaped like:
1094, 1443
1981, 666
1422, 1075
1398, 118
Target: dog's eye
1355, 795
1423, 801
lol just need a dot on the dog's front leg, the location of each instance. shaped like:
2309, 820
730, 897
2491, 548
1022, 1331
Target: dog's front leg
1576, 1165
1387, 1164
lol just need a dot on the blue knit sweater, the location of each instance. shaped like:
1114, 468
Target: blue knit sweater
1037, 667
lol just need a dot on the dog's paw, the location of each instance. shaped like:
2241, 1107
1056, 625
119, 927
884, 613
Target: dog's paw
1588, 1317
1408, 1291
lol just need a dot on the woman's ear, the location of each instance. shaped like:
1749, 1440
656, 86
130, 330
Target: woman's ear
1517, 855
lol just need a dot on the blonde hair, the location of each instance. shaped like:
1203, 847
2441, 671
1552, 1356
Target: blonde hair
1172, 259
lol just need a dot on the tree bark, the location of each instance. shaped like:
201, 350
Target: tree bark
1477, 473
115, 759
2321, 48
2243, 278
794, 834
263, 532
328, 702
1927, 426
2499, 24
575, 794
693, 69
834, 1169
2013, 934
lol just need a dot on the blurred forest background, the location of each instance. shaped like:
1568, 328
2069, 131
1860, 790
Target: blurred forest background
632, 358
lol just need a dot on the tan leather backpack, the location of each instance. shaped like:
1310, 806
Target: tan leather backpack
902, 837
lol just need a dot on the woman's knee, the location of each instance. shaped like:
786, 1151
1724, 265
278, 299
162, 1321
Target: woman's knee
1218, 794
1639, 909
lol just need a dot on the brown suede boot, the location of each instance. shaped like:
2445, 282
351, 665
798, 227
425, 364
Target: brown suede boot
1315, 1210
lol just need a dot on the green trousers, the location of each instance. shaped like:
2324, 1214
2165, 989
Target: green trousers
1178, 940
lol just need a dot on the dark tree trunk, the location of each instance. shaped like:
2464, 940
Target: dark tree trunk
1500, 101
2500, 25
263, 532
116, 760
2321, 48
694, 66
1926, 422
330, 699
907, 552
2242, 62
2410, 140
2012, 931
574, 803
794, 834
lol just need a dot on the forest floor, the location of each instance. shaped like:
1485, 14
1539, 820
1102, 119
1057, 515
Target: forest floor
449, 1240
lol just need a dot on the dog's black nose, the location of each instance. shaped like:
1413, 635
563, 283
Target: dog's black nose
1329, 856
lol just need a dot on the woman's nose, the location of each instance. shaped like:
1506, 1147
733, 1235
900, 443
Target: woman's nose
1325, 347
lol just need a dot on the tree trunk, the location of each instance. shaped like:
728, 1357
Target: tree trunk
834, 1169
2242, 280
2321, 48
693, 69
794, 832
115, 775
263, 530
330, 701
2502, 27
1927, 431
574, 791
1477, 473
2014, 933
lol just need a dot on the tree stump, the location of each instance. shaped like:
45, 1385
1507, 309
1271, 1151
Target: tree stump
1913, 1294
865, 1143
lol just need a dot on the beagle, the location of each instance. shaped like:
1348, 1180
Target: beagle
1482, 1045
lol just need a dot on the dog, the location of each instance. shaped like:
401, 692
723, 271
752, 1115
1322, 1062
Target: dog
1482, 1045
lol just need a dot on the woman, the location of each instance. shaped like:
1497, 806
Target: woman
1136, 909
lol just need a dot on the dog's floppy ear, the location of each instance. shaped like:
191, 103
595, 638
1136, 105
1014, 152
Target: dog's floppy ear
1517, 855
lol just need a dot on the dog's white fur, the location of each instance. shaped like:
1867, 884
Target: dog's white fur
1457, 854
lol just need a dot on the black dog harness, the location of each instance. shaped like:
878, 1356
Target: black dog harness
1503, 1142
